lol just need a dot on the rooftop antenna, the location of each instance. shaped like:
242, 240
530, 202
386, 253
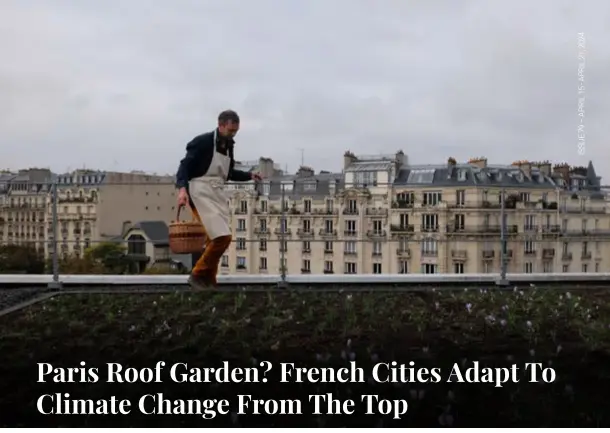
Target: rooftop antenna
302, 157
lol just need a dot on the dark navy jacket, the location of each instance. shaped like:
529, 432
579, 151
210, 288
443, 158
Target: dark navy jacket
199, 153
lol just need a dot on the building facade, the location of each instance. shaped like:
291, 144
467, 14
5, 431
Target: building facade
380, 214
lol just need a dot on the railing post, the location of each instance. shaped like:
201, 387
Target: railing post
283, 227
55, 284
503, 259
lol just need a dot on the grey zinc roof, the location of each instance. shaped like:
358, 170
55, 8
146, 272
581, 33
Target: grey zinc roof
156, 231
297, 186
468, 175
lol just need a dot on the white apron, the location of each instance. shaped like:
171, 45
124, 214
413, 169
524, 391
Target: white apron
209, 196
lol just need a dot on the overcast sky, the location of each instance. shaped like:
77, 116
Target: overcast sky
124, 84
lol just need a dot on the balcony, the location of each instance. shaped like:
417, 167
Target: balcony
377, 254
485, 229
350, 253
305, 271
401, 204
429, 228
282, 231
530, 228
376, 234
376, 212
550, 230
429, 253
241, 211
350, 232
348, 211
402, 228
548, 253
529, 253
305, 233
404, 253
566, 256
488, 254
326, 233
459, 254
585, 255
240, 229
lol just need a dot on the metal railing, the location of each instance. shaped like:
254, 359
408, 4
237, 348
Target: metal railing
451, 234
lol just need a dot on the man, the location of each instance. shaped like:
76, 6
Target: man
200, 180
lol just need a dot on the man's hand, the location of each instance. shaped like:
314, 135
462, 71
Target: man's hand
183, 197
256, 177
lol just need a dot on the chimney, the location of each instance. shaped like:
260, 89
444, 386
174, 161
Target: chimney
348, 158
480, 162
563, 170
265, 167
451, 162
544, 167
305, 172
401, 159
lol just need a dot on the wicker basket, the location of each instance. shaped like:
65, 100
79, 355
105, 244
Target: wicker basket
186, 237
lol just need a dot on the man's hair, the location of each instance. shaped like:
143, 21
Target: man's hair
228, 116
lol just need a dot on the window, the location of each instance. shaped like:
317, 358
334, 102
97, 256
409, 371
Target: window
460, 197
306, 247
328, 267
585, 248
377, 248
429, 268
565, 248
262, 245
585, 268
307, 226
458, 268
241, 225
429, 247
328, 226
262, 263
285, 205
432, 198
524, 197
547, 267
429, 222
263, 225
528, 247
240, 244
365, 178
403, 267
404, 220
350, 267
407, 198
243, 206
264, 205
486, 268
459, 221
403, 243
328, 247
283, 225
377, 268
350, 227
307, 206
330, 205
283, 246
224, 262
352, 206
564, 225
596, 267
584, 225
565, 268
241, 262
530, 222
377, 226
350, 247
528, 267
306, 268
310, 186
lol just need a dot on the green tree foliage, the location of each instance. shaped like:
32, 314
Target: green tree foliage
20, 259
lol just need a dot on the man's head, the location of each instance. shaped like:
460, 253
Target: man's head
228, 123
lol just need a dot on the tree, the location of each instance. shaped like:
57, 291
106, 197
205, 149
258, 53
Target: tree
110, 255
20, 259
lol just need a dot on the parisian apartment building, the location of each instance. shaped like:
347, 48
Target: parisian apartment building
378, 215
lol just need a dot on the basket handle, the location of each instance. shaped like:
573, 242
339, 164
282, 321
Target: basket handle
178, 213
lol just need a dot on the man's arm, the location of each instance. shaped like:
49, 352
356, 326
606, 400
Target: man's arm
187, 164
237, 175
